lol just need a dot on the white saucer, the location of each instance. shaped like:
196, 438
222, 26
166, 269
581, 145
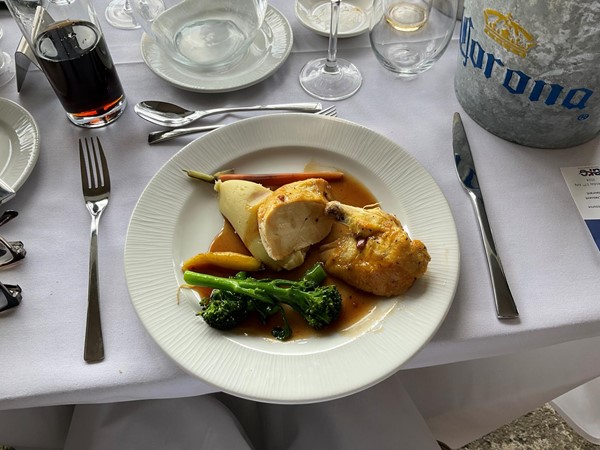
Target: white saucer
19, 143
316, 15
267, 53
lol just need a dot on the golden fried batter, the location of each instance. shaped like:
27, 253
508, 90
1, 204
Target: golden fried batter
373, 252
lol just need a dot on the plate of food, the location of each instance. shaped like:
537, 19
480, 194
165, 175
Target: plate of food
345, 258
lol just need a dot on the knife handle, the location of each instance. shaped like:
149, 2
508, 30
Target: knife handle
505, 304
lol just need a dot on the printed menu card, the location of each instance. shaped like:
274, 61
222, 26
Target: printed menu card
584, 185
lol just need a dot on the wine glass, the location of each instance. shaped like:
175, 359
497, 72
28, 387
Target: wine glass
316, 16
330, 78
412, 35
119, 13
7, 70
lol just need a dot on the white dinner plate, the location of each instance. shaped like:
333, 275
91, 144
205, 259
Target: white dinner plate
19, 143
177, 217
267, 53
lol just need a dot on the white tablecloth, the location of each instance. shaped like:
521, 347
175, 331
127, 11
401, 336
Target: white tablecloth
550, 260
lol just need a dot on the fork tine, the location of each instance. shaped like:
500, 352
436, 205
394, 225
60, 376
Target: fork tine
83, 165
329, 111
92, 164
103, 169
94, 168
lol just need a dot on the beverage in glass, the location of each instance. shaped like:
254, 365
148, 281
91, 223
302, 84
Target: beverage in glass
409, 36
70, 48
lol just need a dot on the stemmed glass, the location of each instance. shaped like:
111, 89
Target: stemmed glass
7, 70
119, 13
330, 78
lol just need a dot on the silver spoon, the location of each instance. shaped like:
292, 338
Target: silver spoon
170, 115
164, 135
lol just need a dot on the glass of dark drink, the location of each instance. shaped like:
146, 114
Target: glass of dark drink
69, 46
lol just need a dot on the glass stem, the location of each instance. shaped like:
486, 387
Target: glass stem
331, 64
127, 8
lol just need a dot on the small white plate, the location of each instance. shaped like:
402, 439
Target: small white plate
177, 217
19, 143
316, 16
267, 53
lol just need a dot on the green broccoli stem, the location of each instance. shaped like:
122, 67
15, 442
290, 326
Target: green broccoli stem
238, 286
268, 291
316, 274
319, 305
279, 289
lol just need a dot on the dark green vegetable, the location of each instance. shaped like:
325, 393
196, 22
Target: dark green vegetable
224, 311
233, 298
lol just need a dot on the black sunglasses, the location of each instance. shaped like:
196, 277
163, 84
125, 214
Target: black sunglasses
10, 253
10, 296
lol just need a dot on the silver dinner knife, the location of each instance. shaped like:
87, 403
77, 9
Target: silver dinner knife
6, 192
465, 168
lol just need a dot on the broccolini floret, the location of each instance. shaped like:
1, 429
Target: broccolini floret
234, 297
224, 311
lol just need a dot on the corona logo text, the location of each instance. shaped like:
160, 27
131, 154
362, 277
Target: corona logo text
517, 82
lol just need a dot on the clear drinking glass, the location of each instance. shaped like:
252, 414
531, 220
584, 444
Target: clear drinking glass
69, 47
330, 78
203, 34
409, 36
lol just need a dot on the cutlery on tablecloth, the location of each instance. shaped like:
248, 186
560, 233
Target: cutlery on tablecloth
164, 135
465, 168
95, 182
170, 115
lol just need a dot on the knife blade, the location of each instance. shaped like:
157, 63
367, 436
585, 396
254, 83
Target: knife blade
6, 192
465, 168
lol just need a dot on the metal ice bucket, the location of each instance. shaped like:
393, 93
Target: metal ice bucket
529, 70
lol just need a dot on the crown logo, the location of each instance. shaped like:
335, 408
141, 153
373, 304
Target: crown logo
508, 33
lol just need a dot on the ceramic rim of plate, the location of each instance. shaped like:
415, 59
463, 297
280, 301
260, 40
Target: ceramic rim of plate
22, 160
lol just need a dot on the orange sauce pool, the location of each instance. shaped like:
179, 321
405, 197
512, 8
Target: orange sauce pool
356, 304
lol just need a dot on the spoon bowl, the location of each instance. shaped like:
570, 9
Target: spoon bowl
173, 116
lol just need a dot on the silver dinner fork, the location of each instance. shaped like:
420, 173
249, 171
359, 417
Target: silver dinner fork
164, 135
95, 181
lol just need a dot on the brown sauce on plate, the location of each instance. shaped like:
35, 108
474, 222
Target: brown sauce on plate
356, 303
